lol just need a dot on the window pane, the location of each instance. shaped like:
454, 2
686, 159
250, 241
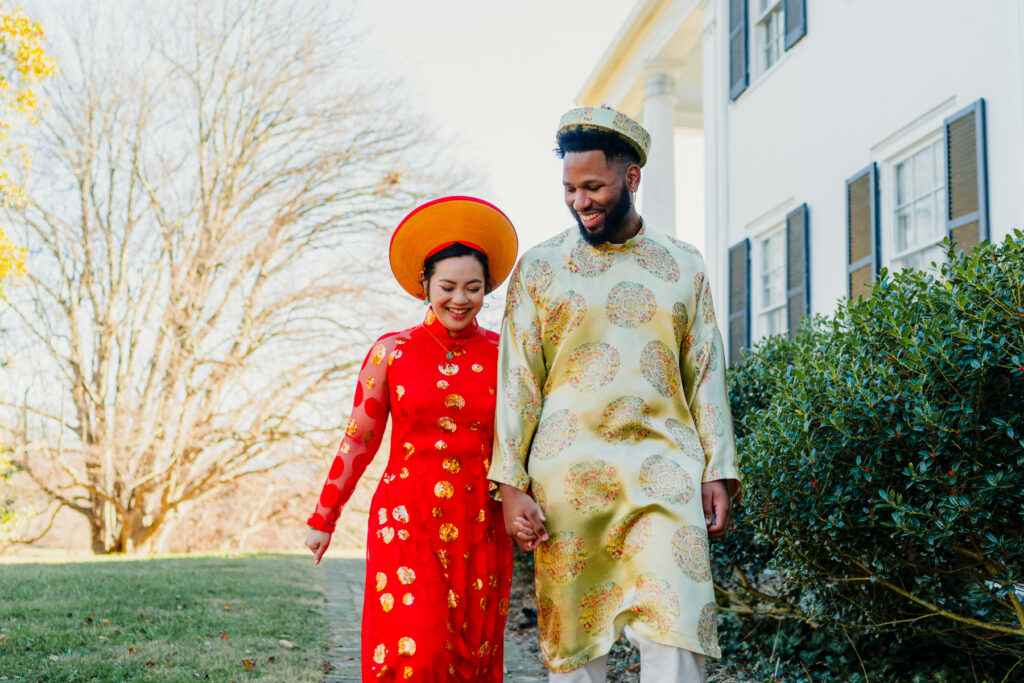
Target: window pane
938, 165
902, 184
904, 226
925, 221
924, 177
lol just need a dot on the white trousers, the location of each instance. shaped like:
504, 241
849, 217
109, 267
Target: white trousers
658, 664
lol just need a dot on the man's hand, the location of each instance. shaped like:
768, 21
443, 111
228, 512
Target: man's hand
717, 509
317, 542
524, 520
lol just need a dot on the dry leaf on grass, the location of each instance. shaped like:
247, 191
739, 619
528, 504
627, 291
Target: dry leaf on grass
249, 664
224, 635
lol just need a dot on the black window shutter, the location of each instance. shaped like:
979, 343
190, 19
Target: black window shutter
795, 12
798, 268
966, 176
739, 300
737, 47
862, 231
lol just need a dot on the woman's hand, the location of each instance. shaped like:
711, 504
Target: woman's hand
317, 542
524, 520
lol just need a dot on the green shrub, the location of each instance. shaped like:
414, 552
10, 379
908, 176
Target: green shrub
882, 451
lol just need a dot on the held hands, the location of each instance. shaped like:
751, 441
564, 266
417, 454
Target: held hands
317, 542
717, 507
524, 520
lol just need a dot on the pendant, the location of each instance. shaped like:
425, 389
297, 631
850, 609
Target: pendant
450, 355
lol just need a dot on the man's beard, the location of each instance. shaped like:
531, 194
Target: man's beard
613, 220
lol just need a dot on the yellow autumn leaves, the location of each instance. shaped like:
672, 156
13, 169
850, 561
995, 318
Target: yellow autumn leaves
23, 66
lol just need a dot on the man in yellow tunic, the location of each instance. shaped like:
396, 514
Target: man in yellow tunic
613, 413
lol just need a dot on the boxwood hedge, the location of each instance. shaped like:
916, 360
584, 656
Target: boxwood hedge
882, 450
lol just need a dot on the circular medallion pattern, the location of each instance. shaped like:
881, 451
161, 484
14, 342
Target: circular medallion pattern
656, 260
549, 624
522, 393
680, 322
591, 486
663, 479
556, 432
599, 606
708, 419
707, 630
539, 496
563, 556
451, 464
556, 241
625, 420
657, 604
536, 277
630, 304
592, 366
628, 536
686, 439
444, 489
690, 550
564, 316
454, 402
659, 367
531, 338
588, 261
707, 360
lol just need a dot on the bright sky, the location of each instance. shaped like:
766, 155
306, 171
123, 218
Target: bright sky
496, 77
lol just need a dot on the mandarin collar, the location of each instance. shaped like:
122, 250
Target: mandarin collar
636, 239
437, 328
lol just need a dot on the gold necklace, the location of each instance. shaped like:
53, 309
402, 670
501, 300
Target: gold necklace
449, 353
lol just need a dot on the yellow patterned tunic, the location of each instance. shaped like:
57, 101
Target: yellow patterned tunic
612, 409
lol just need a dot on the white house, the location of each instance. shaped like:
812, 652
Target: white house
839, 136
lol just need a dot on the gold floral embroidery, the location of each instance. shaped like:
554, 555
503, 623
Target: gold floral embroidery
387, 534
448, 369
406, 647
345, 448
503, 606
401, 514
454, 401
478, 585
484, 602
400, 391
446, 425
403, 534
382, 581
437, 512
481, 515
452, 464
353, 427
473, 426
443, 558
453, 599
407, 673
407, 599
409, 449
442, 384
444, 489
477, 367
371, 382
379, 653
382, 516
404, 474
448, 532
387, 601
599, 606
394, 355
378, 354
440, 445
406, 575
492, 580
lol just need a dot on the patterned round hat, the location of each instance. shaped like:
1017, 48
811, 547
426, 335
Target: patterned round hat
441, 223
606, 118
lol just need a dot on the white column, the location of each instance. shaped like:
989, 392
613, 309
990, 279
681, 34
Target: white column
715, 99
658, 180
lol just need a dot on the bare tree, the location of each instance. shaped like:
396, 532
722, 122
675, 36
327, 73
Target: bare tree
211, 185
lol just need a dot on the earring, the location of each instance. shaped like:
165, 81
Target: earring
426, 302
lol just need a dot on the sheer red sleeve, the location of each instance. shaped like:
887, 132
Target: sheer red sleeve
362, 437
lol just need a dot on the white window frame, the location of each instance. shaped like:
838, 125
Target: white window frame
761, 228
888, 153
760, 38
890, 248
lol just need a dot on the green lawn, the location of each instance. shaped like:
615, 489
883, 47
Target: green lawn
217, 618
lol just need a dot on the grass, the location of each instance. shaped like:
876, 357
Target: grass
218, 618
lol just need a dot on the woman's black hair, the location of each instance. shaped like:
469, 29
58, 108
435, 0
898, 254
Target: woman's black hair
579, 139
458, 249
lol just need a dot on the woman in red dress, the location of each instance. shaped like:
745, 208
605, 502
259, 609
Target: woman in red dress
439, 563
